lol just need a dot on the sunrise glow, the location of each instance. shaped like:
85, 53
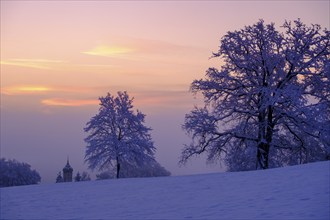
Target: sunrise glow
69, 102
24, 90
59, 57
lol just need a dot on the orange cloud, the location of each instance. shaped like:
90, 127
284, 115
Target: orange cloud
69, 102
31, 63
15, 90
40, 89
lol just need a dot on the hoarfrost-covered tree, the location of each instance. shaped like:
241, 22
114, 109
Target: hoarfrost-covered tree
268, 104
117, 135
14, 173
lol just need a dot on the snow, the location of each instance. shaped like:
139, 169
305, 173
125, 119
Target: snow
298, 192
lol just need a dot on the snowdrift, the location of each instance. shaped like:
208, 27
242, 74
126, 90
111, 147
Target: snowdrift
298, 192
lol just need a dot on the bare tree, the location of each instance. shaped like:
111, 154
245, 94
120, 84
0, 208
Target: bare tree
269, 99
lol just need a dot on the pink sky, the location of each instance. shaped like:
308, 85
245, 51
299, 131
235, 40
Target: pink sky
58, 57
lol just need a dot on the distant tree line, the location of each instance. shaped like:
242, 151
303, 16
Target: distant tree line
14, 173
78, 178
83, 177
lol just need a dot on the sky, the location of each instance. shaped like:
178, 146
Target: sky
59, 57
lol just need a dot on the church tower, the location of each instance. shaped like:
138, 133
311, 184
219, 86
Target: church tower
67, 172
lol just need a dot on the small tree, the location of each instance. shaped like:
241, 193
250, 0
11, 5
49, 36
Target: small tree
269, 99
59, 178
14, 173
117, 135
77, 178
83, 177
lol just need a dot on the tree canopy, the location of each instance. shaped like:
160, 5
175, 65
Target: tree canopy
117, 135
268, 103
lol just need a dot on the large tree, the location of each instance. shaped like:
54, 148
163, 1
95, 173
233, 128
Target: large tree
117, 135
268, 103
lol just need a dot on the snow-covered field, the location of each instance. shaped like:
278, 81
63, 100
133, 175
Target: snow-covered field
299, 192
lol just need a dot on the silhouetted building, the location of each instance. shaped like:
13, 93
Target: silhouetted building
67, 172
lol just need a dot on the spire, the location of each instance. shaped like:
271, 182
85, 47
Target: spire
67, 167
67, 171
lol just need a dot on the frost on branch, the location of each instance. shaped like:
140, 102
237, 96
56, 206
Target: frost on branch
117, 136
268, 104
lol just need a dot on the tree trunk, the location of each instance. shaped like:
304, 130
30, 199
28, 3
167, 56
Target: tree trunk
265, 137
262, 155
118, 167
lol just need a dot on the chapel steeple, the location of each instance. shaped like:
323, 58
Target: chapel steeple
67, 172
